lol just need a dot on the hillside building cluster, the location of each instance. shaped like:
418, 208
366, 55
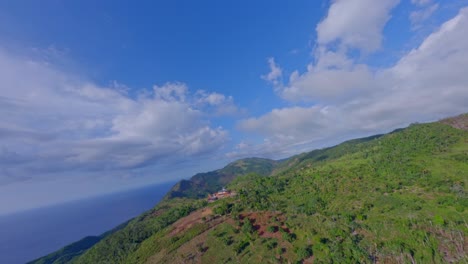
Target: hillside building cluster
223, 193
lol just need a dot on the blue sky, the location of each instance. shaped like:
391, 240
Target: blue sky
100, 96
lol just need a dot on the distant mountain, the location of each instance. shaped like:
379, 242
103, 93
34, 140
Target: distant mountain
204, 183
394, 198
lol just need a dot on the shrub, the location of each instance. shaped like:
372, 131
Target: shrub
272, 244
288, 237
303, 252
241, 246
222, 209
227, 240
247, 227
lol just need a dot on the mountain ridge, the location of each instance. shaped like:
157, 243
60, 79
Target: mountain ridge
201, 184
398, 197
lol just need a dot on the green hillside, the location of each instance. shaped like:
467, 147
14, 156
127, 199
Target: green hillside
67, 253
394, 198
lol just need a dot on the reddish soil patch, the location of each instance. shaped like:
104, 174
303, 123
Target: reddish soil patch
262, 220
190, 220
460, 122
309, 260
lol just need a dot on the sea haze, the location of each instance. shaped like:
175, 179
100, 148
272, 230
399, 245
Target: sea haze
28, 235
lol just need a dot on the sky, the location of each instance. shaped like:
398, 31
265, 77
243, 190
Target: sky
102, 96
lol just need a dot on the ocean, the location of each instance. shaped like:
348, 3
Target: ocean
32, 234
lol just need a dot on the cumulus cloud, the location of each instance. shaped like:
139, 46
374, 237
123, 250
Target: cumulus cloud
333, 78
288, 123
217, 104
54, 121
284, 130
348, 23
351, 99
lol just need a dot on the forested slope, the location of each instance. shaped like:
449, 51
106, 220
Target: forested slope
394, 198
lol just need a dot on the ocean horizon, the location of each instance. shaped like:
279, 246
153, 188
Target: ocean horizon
28, 235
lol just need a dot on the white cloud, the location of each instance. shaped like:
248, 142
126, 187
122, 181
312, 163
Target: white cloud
333, 78
53, 121
214, 99
355, 23
287, 123
171, 92
427, 83
419, 16
275, 74
421, 2
215, 103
